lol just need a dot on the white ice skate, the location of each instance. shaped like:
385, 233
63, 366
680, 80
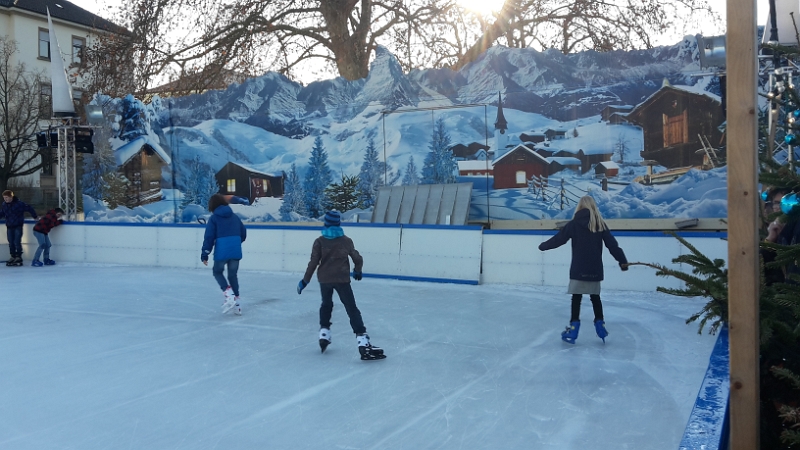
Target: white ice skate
230, 300
324, 339
237, 308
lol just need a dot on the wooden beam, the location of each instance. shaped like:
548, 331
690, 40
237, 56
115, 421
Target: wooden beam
743, 258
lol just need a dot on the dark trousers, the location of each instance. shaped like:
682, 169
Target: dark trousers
233, 278
347, 298
14, 235
597, 306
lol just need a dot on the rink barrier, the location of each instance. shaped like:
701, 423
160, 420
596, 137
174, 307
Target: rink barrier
709, 423
435, 253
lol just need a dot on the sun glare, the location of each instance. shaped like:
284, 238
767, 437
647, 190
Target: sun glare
482, 7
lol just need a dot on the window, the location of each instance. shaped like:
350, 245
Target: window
45, 101
231, 185
78, 46
44, 43
520, 177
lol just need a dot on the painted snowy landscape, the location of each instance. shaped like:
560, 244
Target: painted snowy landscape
291, 150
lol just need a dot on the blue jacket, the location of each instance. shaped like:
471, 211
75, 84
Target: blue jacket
226, 232
14, 212
587, 248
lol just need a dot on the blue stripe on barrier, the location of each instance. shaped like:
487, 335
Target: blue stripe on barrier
430, 280
617, 233
709, 421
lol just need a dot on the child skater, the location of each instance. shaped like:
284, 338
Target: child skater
329, 256
588, 232
42, 233
14, 209
225, 233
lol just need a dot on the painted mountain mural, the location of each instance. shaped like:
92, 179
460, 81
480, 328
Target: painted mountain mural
640, 131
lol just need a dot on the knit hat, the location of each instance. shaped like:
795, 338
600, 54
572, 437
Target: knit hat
333, 218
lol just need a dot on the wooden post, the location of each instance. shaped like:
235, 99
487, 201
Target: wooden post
743, 193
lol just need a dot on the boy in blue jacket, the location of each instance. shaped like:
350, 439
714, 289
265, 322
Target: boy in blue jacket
13, 210
225, 233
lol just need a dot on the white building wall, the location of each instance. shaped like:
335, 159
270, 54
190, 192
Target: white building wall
467, 255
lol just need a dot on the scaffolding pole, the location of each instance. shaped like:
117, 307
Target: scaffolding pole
67, 182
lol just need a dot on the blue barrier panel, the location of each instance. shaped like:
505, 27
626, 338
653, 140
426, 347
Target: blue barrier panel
708, 424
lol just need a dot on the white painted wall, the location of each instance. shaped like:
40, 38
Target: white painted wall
455, 254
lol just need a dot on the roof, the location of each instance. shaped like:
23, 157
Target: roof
670, 89
64, 10
564, 160
608, 164
251, 170
524, 149
126, 151
474, 165
461, 150
211, 77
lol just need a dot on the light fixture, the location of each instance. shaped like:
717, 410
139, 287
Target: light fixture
711, 51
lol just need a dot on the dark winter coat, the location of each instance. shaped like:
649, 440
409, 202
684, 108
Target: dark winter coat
14, 212
48, 222
330, 258
587, 248
226, 232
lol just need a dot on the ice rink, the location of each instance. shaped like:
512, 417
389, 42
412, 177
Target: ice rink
112, 357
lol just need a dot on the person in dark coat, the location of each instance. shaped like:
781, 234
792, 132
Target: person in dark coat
42, 233
224, 234
13, 210
588, 233
330, 258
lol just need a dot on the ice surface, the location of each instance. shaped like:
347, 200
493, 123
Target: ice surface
113, 357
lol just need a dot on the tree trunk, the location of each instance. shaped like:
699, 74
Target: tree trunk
350, 50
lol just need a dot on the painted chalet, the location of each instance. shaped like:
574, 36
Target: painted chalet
141, 161
676, 122
241, 181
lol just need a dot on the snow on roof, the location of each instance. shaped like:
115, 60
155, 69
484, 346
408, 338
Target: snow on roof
524, 148
609, 164
125, 152
260, 172
564, 160
474, 165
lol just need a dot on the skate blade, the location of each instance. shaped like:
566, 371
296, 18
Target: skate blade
323, 344
372, 357
568, 340
227, 307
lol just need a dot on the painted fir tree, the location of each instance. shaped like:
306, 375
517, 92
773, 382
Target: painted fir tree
133, 118
373, 171
98, 165
440, 165
411, 177
317, 179
293, 197
200, 184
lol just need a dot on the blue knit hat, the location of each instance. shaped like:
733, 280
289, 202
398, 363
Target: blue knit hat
333, 218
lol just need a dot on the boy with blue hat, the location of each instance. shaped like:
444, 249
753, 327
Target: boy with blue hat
329, 257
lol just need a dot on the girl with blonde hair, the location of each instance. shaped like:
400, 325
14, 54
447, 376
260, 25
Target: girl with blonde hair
588, 233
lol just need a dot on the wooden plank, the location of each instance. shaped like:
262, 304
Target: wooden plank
409, 199
420, 204
743, 258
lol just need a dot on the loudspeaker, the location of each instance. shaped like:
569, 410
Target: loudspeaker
83, 140
41, 139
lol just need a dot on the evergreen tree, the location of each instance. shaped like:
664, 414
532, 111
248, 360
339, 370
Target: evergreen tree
98, 165
293, 196
317, 179
343, 196
440, 165
200, 184
117, 192
133, 117
371, 176
411, 177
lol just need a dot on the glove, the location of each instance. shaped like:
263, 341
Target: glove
357, 276
300, 286
624, 267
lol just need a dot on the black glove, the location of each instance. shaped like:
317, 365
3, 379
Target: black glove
624, 267
300, 286
357, 276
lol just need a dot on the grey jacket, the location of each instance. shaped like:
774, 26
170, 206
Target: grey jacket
330, 258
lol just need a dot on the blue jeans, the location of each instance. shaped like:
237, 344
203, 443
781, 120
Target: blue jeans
44, 245
14, 235
233, 279
348, 300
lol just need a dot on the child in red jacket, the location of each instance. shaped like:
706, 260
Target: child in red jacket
42, 231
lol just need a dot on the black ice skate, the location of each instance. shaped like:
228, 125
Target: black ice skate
14, 261
368, 351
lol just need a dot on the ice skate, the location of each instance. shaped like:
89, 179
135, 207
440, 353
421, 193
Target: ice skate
36, 263
237, 308
324, 339
230, 300
571, 333
15, 261
367, 350
49, 262
600, 327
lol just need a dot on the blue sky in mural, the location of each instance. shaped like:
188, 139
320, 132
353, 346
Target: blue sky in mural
268, 123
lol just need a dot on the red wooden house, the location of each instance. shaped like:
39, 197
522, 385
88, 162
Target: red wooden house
514, 168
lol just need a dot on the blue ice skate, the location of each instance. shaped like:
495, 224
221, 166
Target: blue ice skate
571, 333
600, 327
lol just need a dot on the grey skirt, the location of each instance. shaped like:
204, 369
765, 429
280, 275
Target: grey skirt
583, 287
